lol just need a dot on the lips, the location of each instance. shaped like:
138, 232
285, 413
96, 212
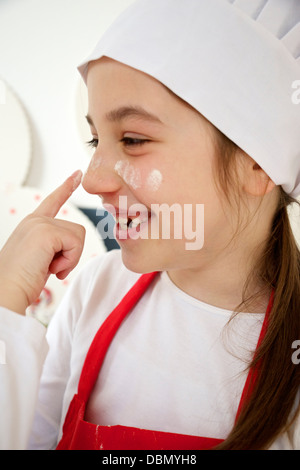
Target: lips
127, 222
129, 219
131, 227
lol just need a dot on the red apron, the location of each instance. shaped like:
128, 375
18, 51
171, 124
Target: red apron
79, 434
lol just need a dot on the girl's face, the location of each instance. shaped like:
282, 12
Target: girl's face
154, 150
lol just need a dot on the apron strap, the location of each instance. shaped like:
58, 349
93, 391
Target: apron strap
254, 371
106, 333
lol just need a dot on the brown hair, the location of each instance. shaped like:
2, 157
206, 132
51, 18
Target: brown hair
272, 406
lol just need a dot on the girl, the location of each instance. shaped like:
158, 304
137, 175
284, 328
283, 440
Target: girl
157, 346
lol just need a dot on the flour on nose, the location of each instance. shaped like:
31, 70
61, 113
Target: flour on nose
130, 175
95, 163
154, 180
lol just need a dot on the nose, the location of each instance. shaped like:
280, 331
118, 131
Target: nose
100, 177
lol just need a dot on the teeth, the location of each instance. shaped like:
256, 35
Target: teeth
138, 221
123, 222
135, 222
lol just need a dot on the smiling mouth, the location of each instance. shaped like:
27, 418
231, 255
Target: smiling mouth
134, 223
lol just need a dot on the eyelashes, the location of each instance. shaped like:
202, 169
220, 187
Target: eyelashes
127, 142
130, 141
92, 143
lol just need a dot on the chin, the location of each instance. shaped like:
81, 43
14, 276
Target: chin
141, 263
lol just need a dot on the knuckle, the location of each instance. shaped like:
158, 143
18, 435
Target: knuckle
80, 231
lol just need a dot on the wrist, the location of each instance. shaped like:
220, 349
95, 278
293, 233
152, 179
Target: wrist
12, 298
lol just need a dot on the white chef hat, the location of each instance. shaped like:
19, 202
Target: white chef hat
235, 61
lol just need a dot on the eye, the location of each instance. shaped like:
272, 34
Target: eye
133, 142
93, 143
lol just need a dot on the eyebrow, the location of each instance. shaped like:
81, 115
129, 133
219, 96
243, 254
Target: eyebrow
119, 114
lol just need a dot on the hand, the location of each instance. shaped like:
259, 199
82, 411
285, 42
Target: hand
40, 245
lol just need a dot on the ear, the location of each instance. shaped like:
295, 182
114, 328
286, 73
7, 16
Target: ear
256, 182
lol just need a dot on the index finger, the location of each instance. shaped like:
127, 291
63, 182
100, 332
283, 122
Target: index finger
51, 205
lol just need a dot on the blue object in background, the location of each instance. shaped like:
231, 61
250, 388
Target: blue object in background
102, 228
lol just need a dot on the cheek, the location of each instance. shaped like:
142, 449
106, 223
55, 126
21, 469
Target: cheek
153, 180
135, 178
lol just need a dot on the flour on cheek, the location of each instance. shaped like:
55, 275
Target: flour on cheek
154, 180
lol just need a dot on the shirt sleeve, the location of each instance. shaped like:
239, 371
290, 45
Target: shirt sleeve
57, 368
56, 373
23, 348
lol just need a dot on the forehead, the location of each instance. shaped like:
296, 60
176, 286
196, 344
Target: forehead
113, 85
107, 76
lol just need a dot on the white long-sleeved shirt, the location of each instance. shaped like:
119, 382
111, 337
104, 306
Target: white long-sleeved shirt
175, 365
23, 349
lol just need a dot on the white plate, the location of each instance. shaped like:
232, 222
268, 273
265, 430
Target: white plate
15, 139
15, 204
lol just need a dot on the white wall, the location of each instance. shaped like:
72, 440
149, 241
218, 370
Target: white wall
41, 44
